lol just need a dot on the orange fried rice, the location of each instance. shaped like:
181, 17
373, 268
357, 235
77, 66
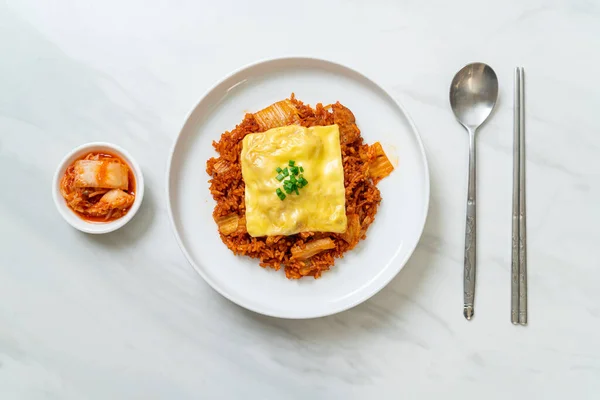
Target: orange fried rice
362, 195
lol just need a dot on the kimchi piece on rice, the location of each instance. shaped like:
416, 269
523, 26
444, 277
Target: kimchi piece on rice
296, 186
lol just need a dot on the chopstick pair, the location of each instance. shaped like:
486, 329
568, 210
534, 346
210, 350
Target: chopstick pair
519, 214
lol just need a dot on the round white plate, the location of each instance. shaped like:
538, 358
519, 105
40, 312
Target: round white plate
362, 272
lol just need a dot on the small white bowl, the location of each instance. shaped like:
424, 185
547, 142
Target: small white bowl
90, 226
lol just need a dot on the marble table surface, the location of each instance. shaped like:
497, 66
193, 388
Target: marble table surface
123, 316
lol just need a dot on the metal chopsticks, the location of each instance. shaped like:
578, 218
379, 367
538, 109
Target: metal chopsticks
519, 215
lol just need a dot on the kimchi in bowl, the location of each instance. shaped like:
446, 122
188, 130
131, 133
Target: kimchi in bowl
97, 221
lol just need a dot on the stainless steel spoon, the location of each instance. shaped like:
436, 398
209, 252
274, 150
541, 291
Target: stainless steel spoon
473, 94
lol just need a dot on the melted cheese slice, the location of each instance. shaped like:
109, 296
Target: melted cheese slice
320, 205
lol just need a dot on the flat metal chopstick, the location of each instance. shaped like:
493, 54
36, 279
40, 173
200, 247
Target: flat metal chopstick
518, 313
522, 208
514, 298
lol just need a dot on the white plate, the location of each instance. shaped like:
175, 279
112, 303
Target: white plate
391, 239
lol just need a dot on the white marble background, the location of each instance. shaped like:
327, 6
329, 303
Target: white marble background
123, 316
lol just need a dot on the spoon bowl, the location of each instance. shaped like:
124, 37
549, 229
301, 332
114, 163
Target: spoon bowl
473, 94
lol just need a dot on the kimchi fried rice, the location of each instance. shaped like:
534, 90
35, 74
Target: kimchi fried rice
364, 165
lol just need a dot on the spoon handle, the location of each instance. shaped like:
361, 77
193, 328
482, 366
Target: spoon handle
470, 234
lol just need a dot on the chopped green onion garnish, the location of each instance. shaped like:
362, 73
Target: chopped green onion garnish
291, 178
280, 194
